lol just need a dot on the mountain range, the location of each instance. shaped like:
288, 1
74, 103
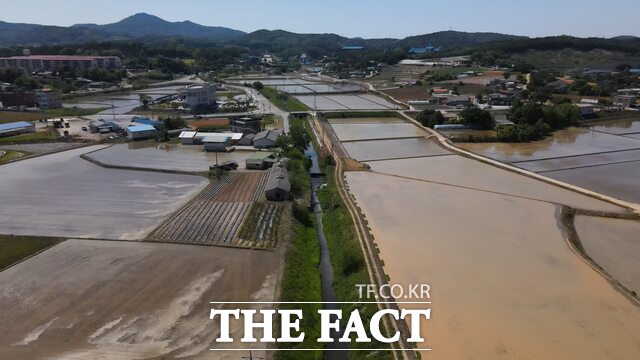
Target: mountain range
146, 26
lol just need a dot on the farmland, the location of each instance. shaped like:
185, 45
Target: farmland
215, 215
90, 299
58, 195
262, 227
16, 248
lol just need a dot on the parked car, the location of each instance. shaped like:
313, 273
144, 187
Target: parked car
84, 128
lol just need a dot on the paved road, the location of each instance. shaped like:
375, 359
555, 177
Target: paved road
265, 106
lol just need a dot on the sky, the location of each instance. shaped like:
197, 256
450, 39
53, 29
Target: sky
351, 18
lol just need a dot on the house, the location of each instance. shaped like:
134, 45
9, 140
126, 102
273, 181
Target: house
246, 125
216, 142
141, 132
261, 160
278, 187
458, 100
247, 140
266, 139
187, 137
625, 100
586, 110
48, 99
16, 128
499, 99
634, 91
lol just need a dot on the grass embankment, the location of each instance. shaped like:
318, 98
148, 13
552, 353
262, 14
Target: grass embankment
38, 136
9, 155
13, 116
347, 259
301, 281
16, 248
283, 101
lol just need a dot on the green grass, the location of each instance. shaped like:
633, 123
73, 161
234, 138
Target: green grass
13, 116
8, 155
347, 259
39, 136
301, 282
283, 101
16, 248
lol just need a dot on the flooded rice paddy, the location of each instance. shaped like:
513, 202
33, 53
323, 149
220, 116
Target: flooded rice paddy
355, 132
119, 300
393, 149
603, 158
165, 156
504, 281
63, 195
458, 171
346, 102
614, 244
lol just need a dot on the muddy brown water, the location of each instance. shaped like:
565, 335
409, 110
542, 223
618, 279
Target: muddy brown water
64, 195
504, 282
86, 299
392, 149
569, 142
165, 156
613, 244
351, 132
458, 171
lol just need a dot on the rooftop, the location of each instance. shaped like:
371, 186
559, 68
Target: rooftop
137, 128
216, 138
14, 125
260, 155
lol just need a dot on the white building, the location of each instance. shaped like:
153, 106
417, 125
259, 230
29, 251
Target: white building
48, 99
200, 95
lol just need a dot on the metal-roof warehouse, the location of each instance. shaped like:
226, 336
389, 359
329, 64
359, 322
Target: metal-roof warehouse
16, 128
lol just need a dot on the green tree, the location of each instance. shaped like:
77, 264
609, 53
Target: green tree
430, 118
477, 118
258, 85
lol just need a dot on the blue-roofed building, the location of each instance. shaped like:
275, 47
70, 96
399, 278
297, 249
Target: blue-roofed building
16, 128
635, 71
155, 123
141, 132
423, 50
352, 47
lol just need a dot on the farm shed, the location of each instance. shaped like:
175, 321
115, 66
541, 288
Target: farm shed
216, 142
261, 160
278, 186
16, 128
141, 132
266, 139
